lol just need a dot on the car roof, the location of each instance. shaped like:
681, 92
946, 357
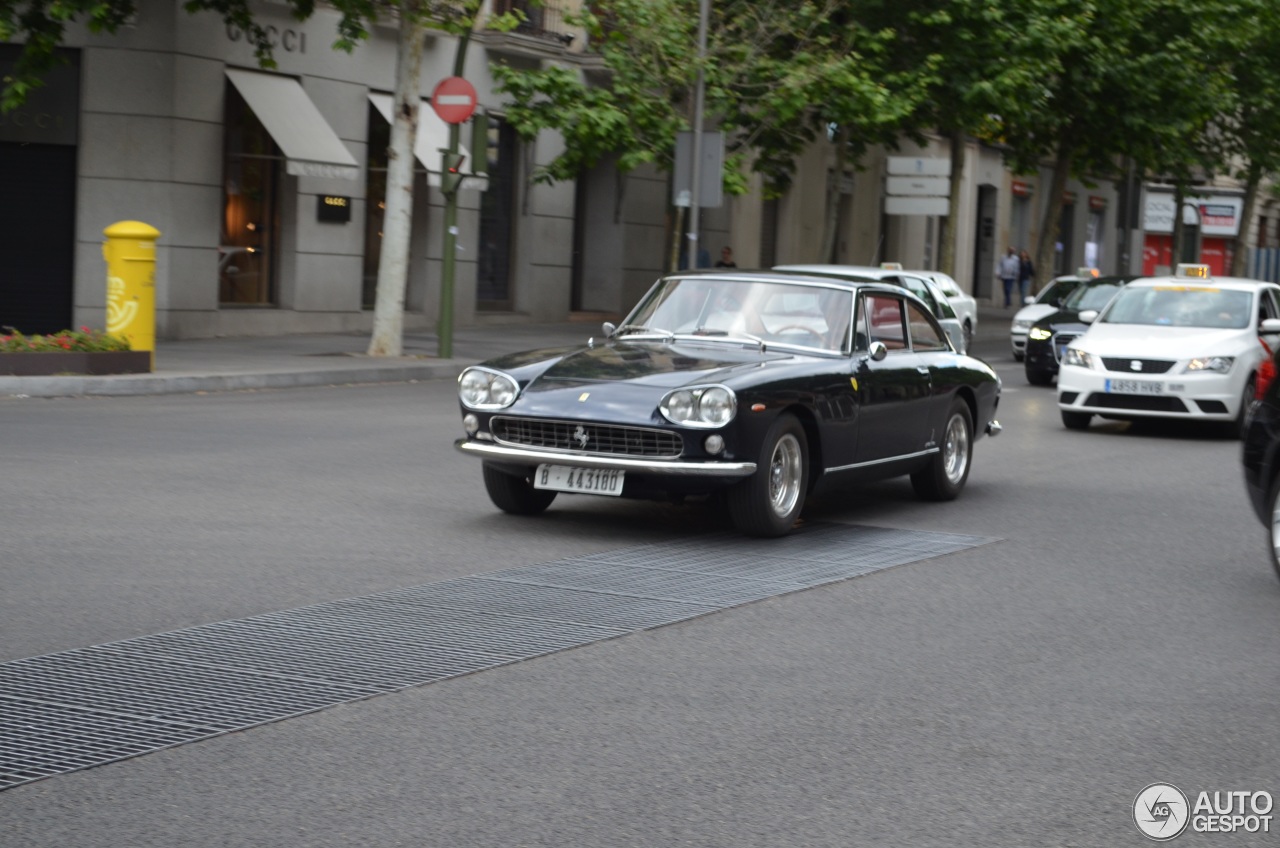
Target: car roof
1232, 283
851, 282
869, 271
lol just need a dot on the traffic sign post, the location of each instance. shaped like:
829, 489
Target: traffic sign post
454, 100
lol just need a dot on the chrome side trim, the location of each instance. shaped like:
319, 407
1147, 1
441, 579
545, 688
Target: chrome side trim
915, 455
678, 468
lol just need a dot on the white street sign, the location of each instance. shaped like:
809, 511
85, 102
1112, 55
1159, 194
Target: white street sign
916, 205
918, 186
919, 166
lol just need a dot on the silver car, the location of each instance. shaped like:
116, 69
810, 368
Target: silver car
915, 282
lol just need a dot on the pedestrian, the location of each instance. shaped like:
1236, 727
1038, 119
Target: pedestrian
726, 258
1007, 270
1026, 275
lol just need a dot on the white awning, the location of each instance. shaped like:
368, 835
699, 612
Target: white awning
432, 137
311, 147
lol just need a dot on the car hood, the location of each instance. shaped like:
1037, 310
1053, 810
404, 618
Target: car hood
1156, 342
1034, 312
618, 380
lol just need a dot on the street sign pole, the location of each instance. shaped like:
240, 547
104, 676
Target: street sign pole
696, 199
454, 100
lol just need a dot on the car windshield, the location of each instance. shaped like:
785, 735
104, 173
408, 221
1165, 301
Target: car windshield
1091, 297
1181, 306
779, 313
1057, 291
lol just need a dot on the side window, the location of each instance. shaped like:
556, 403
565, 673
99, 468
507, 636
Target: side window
917, 287
924, 333
1270, 309
884, 318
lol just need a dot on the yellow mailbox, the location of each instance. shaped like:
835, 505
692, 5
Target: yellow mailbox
130, 251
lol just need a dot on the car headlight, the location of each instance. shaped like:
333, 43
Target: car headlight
1221, 364
1039, 334
1022, 325
704, 406
480, 388
1080, 359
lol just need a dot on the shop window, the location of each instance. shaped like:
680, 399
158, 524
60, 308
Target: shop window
250, 208
375, 205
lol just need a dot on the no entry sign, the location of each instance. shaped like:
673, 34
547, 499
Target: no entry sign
454, 100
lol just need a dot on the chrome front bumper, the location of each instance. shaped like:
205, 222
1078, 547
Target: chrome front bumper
994, 428
675, 467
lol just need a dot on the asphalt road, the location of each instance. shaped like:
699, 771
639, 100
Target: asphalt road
1123, 632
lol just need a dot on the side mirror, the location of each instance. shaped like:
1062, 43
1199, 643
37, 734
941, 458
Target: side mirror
1088, 316
609, 329
1028, 300
1269, 327
878, 351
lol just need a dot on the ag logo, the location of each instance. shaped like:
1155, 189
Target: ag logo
1160, 811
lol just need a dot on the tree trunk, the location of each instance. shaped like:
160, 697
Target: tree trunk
1240, 261
947, 255
1052, 218
831, 229
397, 228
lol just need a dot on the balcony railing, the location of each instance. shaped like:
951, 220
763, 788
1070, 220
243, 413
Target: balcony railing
541, 20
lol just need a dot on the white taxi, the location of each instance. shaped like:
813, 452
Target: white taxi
1186, 346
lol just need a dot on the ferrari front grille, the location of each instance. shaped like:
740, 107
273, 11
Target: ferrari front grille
586, 437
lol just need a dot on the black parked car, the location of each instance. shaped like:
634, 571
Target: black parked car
1050, 335
756, 385
1261, 454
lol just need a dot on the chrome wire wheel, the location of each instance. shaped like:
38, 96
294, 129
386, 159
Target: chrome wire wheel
1275, 534
785, 475
955, 449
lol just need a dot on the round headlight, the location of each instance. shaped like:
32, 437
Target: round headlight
473, 387
680, 406
502, 391
716, 406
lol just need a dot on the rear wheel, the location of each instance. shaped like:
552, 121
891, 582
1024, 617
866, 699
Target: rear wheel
768, 502
513, 494
947, 472
1076, 420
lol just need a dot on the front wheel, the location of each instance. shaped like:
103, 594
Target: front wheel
768, 502
968, 336
1273, 528
1076, 420
947, 472
1237, 427
515, 495
1039, 378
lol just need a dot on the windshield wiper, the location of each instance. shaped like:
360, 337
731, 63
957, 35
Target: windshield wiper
657, 331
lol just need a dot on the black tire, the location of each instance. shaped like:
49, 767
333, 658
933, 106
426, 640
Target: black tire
1038, 378
948, 470
1250, 389
1273, 526
968, 336
513, 494
1018, 357
1076, 420
768, 502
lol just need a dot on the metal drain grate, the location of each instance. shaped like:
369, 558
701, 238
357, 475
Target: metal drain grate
76, 709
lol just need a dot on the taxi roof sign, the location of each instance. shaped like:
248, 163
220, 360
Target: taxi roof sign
891, 266
1086, 271
1187, 269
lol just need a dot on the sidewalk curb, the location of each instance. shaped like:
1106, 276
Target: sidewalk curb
160, 384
